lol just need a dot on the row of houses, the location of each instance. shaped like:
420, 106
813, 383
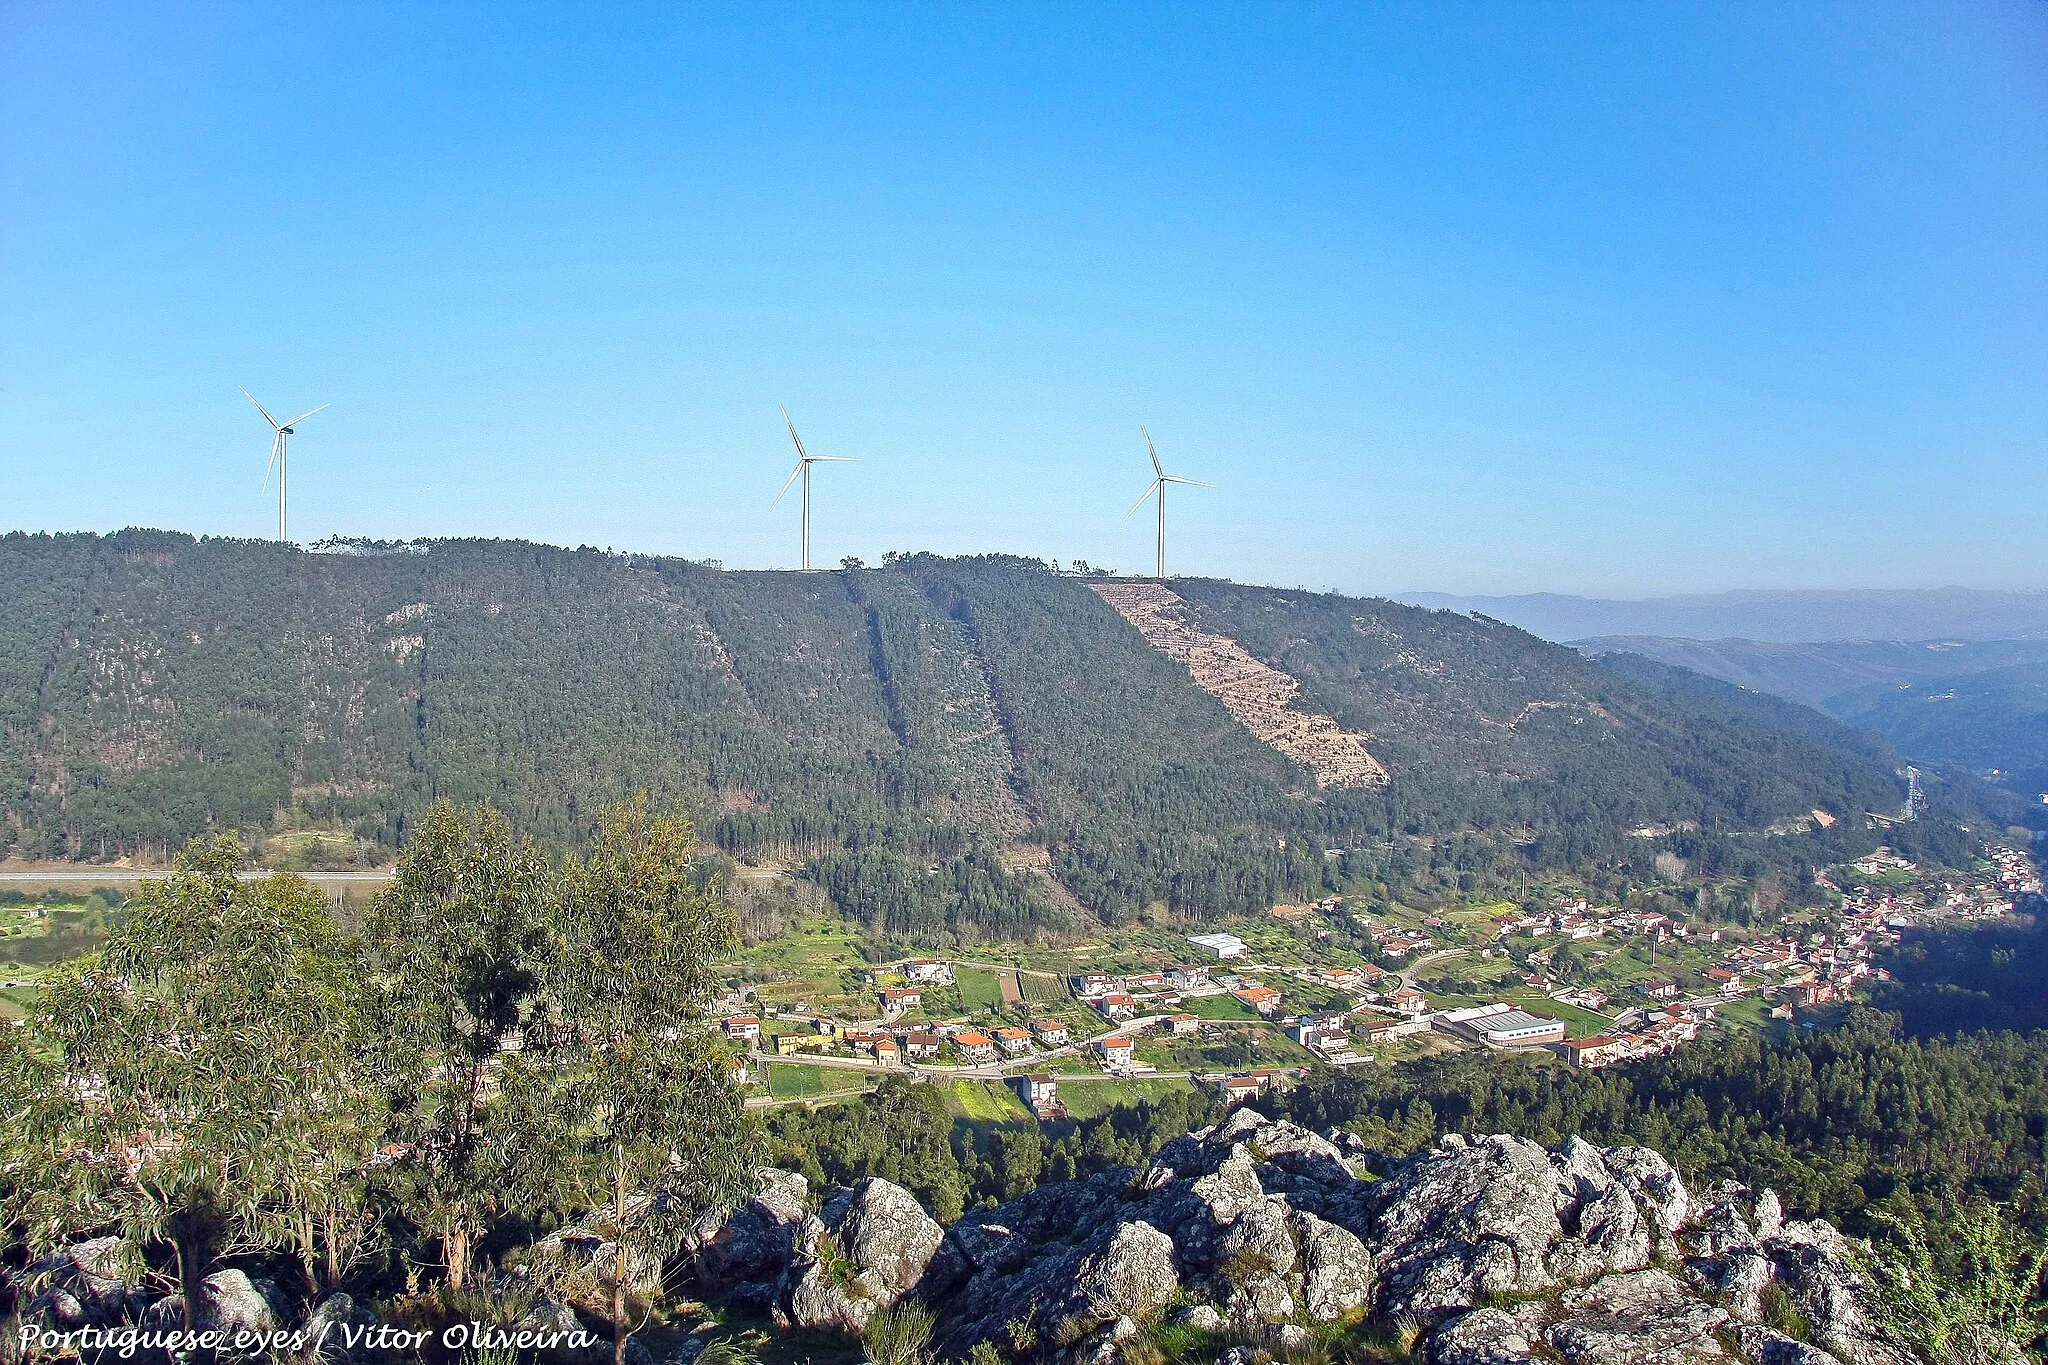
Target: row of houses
972, 1045
1661, 1031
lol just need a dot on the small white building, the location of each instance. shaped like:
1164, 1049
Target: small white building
1223, 945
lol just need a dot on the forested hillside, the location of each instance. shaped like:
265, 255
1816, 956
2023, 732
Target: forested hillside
913, 731
1997, 718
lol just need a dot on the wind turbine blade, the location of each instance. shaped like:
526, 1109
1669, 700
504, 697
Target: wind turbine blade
304, 415
275, 442
833, 459
1156, 469
259, 407
1141, 499
1169, 478
800, 452
792, 479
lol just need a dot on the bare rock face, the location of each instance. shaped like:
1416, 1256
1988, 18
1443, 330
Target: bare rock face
1656, 1189
1643, 1317
1767, 1347
1466, 1221
1486, 1336
887, 1235
1609, 1227
757, 1240
874, 1245
83, 1285
1131, 1276
230, 1302
1337, 1270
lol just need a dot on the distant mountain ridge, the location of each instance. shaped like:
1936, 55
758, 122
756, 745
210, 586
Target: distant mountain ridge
1814, 673
1981, 705
1770, 616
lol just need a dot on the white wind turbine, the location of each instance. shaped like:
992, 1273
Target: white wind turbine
1158, 486
280, 454
804, 461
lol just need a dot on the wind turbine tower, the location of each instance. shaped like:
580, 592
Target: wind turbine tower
1160, 478
804, 461
280, 454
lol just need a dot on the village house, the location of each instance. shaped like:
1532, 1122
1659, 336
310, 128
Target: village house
925, 972
886, 1051
1379, 1028
1189, 977
1050, 1033
1182, 1024
788, 1044
975, 1047
1090, 984
1238, 1089
1264, 999
1041, 1095
921, 1045
1117, 1051
743, 1028
1408, 1000
1588, 1054
1013, 1040
897, 1001
1117, 1005
1327, 1029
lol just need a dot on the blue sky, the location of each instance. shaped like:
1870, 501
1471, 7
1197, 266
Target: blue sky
1622, 298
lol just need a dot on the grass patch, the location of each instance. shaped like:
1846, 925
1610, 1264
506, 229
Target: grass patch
800, 1080
979, 989
1221, 1007
987, 1102
1085, 1099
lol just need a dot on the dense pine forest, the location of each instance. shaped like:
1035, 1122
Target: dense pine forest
913, 732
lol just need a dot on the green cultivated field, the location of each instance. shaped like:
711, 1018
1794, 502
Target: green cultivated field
1044, 990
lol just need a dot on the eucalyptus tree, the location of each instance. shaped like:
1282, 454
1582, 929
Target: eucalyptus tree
196, 1080
654, 1108
460, 944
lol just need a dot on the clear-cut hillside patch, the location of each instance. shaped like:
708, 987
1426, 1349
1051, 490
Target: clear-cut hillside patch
1261, 697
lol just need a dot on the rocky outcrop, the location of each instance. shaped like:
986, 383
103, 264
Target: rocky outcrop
1499, 1251
1490, 1250
1130, 1277
1641, 1317
1467, 1221
230, 1302
83, 1285
868, 1248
